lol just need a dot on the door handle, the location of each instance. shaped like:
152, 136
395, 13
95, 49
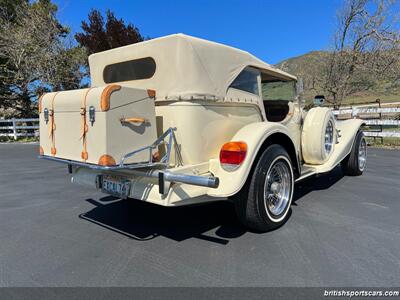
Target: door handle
133, 120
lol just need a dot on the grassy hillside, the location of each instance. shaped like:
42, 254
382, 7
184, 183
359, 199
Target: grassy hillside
309, 65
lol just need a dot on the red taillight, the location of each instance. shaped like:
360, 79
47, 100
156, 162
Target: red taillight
232, 155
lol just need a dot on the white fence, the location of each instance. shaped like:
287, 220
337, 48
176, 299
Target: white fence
375, 117
19, 127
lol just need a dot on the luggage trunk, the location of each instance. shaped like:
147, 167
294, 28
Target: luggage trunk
97, 125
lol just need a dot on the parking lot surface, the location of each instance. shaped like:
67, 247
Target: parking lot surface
343, 231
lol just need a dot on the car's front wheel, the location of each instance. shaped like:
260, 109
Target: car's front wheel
264, 202
354, 164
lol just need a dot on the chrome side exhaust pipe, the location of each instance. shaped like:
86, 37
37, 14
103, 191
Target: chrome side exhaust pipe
163, 176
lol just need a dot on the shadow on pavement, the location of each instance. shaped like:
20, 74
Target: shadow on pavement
316, 183
145, 221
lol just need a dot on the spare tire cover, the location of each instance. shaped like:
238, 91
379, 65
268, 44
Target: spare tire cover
313, 135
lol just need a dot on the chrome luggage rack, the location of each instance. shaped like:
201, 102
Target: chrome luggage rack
160, 167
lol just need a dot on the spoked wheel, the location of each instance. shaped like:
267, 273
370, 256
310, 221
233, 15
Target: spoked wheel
362, 154
264, 202
354, 164
277, 188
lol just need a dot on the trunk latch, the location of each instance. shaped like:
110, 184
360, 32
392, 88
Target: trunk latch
46, 115
92, 112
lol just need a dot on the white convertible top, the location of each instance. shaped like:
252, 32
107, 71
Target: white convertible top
186, 67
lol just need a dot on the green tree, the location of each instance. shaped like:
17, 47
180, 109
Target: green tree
99, 36
36, 55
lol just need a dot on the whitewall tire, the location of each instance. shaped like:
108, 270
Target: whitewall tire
264, 202
354, 164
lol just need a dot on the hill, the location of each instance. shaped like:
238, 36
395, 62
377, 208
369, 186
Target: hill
310, 65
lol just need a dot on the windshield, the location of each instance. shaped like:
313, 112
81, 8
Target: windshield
279, 90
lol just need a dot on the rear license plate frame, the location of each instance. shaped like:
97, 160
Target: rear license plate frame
117, 186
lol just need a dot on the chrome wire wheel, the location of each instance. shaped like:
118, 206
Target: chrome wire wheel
329, 137
278, 187
362, 154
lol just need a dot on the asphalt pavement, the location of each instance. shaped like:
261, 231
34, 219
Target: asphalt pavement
343, 231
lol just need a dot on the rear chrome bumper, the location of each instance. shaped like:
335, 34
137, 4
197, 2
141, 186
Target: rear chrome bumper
103, 168
152, 170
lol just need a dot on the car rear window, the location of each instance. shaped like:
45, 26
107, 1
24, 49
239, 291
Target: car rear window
142, 68
247, 81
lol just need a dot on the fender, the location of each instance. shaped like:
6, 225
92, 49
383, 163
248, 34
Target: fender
254, 135
348, 131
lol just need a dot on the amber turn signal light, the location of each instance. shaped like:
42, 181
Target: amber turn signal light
106, 160
151, 93
232, 155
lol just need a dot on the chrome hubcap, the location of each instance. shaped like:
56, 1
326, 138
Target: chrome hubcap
362, 154
277, 187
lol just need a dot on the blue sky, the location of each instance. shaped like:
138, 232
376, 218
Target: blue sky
271, 30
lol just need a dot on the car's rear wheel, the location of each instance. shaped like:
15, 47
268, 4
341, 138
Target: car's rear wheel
354, 164
264, 202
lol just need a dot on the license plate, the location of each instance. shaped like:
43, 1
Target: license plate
116, 186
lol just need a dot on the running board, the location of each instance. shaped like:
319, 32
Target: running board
306, 172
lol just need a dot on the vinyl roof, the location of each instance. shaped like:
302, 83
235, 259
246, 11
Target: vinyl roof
186, 67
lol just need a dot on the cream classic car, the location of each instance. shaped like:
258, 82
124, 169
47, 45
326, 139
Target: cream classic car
179, 120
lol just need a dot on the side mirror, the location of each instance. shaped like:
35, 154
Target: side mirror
319, 100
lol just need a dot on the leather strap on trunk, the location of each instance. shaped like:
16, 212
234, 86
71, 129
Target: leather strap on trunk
84, 127
52, 126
